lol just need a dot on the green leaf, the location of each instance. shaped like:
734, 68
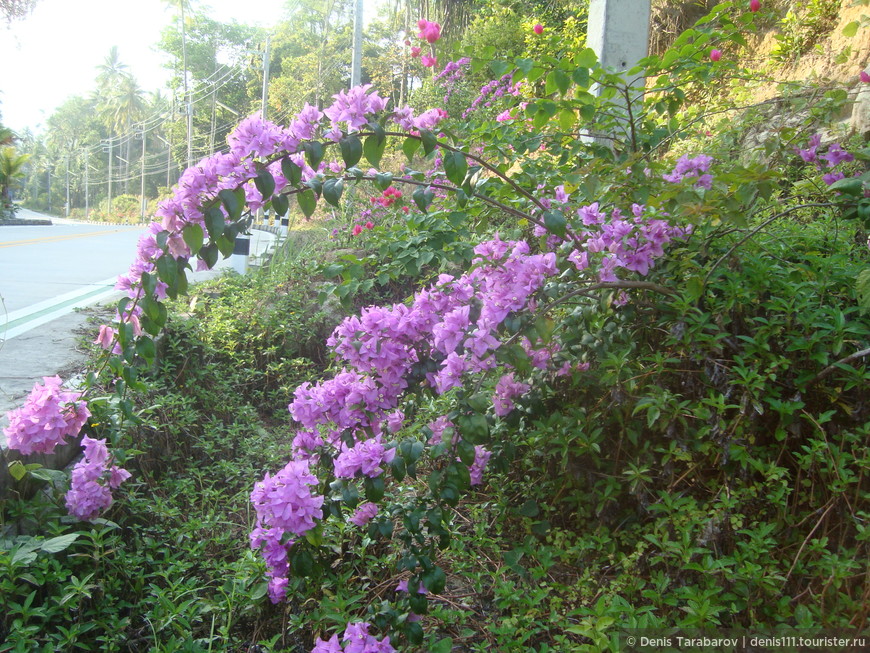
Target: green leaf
374, 149
479, 402
429, 141
567, 119
145, 348
332, 189
374, 488
473, 427
315, 536
442, 646
466, 452
410, 147
301, 562
399, 468
167, 270
231, 203
193, 236
214, 222
351, 150
414, 632
333, 270
423, 197
586, 58
862, 286
209, 254
499, 68
849, 186
694, 288
265, 183
541, 118
851, 29
48, 475
434, 580
225, 245
307, 202
281, 204
292, 172
555, 222
313, 153
455, 166
17, 470
580, 76
383, 180
59, 543
557, 80
529, 509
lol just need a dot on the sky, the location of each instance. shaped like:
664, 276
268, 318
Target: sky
53, 54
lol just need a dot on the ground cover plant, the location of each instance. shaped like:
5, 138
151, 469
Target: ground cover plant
567, 374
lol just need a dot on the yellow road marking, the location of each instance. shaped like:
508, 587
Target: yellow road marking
50, 239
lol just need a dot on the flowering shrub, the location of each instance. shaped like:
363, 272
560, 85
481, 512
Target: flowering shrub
356, 639
49, 416
93, 479
479, 337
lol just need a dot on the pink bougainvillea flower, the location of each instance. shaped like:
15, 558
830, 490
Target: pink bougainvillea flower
865, 77
370, 225
429, 32
106, 337
415, 51
357, 229
49, 415
754, 5
407, 41
715, 55
429, 62
538, 29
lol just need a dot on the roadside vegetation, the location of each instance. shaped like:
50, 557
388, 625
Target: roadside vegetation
669, 430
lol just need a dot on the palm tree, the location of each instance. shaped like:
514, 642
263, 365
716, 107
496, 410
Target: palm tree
7, 136
110, 74
11, 167
129, 106
111, 70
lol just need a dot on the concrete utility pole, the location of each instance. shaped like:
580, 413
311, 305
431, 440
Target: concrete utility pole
619, 32
142, 188
109, 145
87, 186
66, 206
265, 103
356, 58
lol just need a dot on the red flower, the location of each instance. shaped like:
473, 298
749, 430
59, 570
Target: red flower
357, 230
415, 51
539, 29
370, 225
865, 77
715, 55
754, 5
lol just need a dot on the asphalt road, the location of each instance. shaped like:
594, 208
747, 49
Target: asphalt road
47, 273
43, 262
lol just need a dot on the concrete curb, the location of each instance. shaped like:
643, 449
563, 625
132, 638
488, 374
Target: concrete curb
22, 222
